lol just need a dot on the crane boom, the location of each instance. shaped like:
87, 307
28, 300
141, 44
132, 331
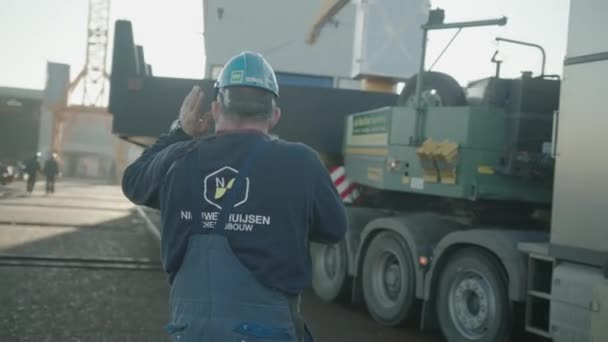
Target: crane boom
328, 11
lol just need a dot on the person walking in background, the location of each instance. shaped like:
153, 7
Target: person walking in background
32, 167
51, 169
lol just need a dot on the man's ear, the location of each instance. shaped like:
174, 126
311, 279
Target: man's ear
276, 116
216, 110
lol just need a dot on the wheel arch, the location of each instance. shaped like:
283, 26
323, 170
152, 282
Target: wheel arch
498, 242
419, 231
358, 219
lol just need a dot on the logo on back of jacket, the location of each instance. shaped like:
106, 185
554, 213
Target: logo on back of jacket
217, 185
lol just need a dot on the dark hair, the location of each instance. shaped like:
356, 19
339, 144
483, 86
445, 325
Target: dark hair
247, 102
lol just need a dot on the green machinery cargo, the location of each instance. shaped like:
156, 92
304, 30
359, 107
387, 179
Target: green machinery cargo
468, 152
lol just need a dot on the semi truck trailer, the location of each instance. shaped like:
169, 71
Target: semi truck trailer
480, 210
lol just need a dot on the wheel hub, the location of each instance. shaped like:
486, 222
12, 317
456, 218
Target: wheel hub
430, 97
472, 305
387, 279
392, 280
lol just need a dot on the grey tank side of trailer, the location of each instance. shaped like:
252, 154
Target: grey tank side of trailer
579, 232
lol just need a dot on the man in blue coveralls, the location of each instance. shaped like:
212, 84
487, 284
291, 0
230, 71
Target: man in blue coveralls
238, 211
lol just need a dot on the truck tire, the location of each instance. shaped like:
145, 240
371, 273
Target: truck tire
389, 279
438, 89
330, 271
473, 302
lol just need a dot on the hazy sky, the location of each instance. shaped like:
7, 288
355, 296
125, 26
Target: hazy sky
33, 32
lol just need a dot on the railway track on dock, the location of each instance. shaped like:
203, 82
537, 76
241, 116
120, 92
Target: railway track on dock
115, 263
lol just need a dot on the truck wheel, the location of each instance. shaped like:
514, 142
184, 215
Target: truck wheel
330, 268
389, 279
473, 303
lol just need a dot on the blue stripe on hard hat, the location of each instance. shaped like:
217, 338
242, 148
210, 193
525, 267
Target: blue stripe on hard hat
248, 69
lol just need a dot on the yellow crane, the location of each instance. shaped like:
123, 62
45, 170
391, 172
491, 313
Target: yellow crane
329, 9
87, 94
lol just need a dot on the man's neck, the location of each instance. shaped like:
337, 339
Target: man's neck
231, 126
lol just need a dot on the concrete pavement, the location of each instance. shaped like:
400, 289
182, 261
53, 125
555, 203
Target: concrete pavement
81, 221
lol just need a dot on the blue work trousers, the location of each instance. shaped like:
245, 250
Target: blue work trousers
215, 298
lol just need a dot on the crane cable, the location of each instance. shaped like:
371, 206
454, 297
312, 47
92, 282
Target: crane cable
445, 48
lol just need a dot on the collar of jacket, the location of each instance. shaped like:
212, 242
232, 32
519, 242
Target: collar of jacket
240, 131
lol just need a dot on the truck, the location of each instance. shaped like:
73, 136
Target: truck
479, 210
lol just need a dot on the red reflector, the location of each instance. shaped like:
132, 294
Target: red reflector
423, 261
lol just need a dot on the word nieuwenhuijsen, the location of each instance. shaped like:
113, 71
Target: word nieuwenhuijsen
239, 222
